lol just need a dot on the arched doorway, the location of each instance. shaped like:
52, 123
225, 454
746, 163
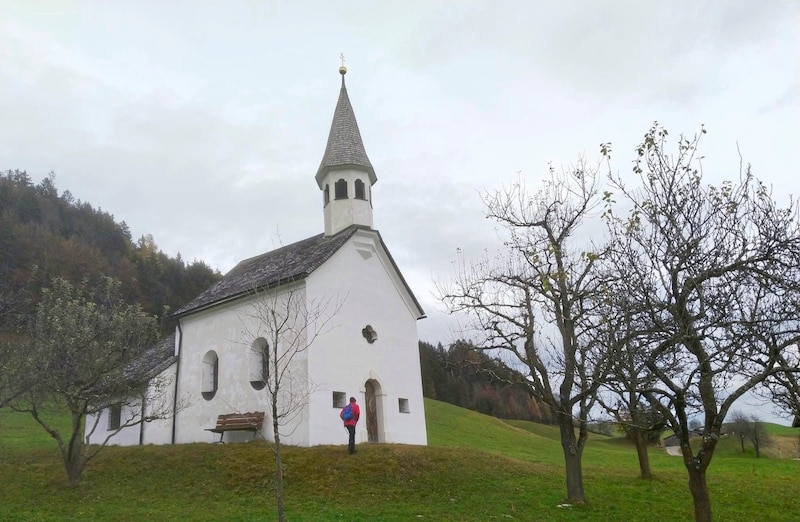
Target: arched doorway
372, 394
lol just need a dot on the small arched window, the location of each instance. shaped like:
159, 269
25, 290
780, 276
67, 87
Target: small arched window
326, 195
210, 375
360, 193
340, 189
114, 416
259, 363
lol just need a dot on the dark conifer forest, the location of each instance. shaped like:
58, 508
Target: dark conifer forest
470, 378
46, 234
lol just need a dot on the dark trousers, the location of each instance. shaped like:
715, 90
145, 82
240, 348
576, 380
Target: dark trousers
351, 442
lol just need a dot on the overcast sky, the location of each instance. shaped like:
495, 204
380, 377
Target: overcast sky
203, 123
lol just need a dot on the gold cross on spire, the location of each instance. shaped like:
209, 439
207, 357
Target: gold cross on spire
342, 69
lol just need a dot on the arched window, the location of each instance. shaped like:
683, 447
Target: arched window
340, 189
259, 363
210, 375
360, 190
326, 195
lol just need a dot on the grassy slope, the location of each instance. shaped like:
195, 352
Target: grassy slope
475, 468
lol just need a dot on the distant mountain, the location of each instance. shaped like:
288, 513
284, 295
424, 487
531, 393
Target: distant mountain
44, 234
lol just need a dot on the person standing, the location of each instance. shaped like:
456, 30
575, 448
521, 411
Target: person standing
349, 416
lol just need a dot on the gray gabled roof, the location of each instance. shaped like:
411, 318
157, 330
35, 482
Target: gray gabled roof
155, 359
290, 263
345, 148
147, 365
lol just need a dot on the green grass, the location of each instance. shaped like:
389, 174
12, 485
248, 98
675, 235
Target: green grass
777, 429
475, 468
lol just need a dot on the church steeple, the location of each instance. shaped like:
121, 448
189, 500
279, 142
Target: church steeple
345, 174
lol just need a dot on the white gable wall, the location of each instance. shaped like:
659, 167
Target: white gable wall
342, 360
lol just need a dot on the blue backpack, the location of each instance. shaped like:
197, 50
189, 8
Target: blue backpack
347, 412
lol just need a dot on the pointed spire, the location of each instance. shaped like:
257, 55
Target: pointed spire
345, 148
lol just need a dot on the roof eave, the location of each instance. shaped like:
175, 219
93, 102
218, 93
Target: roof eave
261, 288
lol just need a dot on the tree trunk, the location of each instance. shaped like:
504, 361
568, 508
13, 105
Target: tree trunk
279, 483
72, 453
641, 452
755, 438
74, 472
278, 468
573, 453
74, 463
699, 489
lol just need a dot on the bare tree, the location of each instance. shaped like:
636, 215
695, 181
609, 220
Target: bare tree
710, 277
535, 301
641, 422
782, 388
740, 426
758, 434
621, 395
280, 330
749, 428
85, 353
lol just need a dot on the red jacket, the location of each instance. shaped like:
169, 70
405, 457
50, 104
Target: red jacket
354, 419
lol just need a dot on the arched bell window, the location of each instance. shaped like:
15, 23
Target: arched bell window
340, 189
360, 192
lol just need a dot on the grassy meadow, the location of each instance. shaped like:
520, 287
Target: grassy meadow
475, 468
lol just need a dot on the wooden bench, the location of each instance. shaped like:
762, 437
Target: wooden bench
250, 421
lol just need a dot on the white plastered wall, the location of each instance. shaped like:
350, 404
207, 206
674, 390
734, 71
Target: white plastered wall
361, 276
230, 330
160, 397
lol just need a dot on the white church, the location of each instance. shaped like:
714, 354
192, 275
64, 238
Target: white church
353, 332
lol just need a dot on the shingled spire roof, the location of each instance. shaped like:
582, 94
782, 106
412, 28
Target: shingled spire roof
345, 148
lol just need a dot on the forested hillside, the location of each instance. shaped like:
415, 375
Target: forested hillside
471, 379
44, 234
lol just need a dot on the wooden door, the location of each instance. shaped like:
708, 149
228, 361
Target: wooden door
372, 412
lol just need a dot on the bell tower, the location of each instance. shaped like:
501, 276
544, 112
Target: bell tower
345, 174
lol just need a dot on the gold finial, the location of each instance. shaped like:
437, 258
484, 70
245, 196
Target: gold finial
342, 69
